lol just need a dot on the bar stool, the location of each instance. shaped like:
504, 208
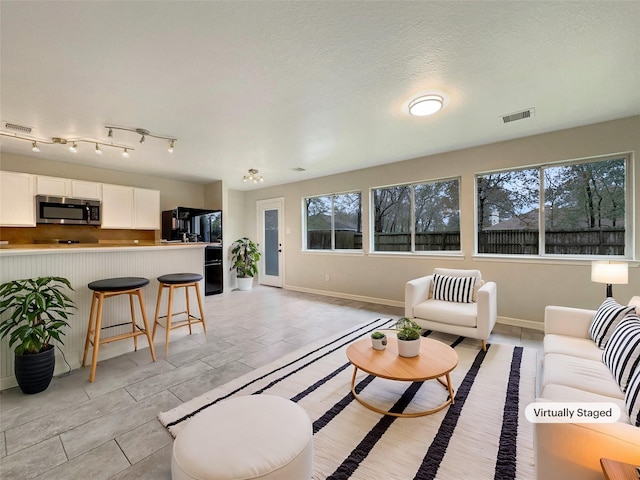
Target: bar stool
108, 288
173, 281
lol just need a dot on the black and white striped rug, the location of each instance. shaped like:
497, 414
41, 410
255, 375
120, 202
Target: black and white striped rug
483, 435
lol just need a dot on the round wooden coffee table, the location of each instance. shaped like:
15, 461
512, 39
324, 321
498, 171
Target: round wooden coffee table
435, 361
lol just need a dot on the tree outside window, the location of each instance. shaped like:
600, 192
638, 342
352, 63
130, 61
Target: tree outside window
433, 209
583, 209
334, 222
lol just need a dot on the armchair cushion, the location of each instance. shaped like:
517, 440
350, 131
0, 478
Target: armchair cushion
451, 313
453, 289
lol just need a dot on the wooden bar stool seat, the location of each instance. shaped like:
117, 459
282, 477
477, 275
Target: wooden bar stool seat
107, 288
173, 281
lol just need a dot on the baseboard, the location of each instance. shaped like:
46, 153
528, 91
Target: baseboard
519, 322
347, 296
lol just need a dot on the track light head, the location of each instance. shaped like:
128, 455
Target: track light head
73, 148
34, 147
110, 134
98, 151
142, 139
125, 153
171, 146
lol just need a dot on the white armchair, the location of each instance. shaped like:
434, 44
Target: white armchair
475, 319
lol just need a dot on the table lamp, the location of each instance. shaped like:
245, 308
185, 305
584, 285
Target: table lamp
610, 273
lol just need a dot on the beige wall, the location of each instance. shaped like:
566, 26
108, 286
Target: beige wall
525, 287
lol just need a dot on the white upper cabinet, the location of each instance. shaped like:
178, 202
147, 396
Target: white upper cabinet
53, 186
146, 209
117, 206
88, 190
17, 200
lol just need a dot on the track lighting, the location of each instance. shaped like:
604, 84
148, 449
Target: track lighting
72, 143
110, 134
125, 154
143, 134
253, 176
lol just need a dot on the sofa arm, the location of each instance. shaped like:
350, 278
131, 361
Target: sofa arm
574, 450
573, 322
487, 309
416, 291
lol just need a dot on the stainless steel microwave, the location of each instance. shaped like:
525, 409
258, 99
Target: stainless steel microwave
67, 210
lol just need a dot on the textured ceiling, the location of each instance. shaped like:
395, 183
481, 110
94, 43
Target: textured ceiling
319, 85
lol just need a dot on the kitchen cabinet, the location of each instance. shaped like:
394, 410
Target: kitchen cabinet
146, 204
53, 186
117, 206
17, 200
89, 190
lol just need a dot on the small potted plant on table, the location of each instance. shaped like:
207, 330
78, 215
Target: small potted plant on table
408, 337
39, 312
244, 260
378, 340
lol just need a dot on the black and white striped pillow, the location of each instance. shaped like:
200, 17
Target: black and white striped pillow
622, 353
606, 319
632, 398
453, 289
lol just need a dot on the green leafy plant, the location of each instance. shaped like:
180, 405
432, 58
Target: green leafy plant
378, 335
39, 312
407, 329
245, 257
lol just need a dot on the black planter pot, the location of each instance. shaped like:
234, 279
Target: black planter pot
35, 371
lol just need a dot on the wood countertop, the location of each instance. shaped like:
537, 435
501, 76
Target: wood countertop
52, 248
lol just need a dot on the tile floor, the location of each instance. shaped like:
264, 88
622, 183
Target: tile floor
108, 429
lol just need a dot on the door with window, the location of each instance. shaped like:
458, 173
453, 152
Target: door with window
270, 215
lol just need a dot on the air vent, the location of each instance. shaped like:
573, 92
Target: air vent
512, 117
17, 128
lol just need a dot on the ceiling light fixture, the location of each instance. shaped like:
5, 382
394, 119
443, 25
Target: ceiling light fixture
63, 141
125, 154
426, 105
110, 134
253, 176
143, 134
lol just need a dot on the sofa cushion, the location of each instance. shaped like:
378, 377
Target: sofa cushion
622, 353
462, 314
573, 346
606, 319
581, 373
562, 393
453, 289
632, 399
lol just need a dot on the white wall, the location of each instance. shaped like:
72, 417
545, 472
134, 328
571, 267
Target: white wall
525, 287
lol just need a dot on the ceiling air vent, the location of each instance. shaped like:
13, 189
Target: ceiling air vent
512, 117
17, 128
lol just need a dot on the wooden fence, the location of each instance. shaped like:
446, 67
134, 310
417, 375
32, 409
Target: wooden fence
600, 241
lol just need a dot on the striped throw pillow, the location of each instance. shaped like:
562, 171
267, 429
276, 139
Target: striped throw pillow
622, 353
632, 398
453, 289
606, 319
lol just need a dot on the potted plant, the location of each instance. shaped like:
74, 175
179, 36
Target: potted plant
378, 340
244, 260
408, 337
39, 312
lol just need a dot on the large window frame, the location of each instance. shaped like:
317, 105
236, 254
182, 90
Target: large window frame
542, 206
411, 227
332, 224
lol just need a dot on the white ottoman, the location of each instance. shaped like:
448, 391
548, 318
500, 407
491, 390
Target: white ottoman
257, 436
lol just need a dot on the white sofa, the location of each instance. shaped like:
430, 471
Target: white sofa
473, 320
572, 371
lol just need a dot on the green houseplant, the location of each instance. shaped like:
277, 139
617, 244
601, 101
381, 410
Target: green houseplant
244, 260
39, 310
378, 340
408, 337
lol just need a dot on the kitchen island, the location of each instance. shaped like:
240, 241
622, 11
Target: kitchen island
84, 263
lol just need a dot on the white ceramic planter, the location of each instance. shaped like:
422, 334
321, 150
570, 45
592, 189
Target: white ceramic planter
408, 348
379, 343
245, 284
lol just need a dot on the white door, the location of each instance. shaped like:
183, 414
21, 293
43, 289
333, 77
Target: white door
270, 215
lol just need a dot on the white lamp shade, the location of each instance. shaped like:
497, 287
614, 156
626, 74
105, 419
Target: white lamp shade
615, 273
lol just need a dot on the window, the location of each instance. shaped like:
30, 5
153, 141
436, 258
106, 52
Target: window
334, 222
432, 209
580, 207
